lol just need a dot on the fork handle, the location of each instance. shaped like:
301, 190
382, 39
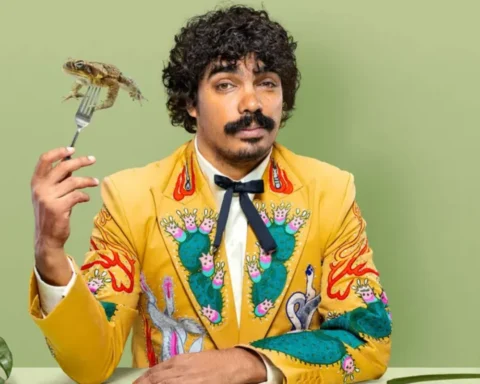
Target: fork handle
73, 142
75, 137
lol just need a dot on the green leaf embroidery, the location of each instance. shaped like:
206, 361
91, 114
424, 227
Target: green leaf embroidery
6, 359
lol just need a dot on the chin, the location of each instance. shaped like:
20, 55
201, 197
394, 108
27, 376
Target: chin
250, 149
251, 143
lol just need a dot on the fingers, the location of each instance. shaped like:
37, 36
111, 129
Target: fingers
144, 379
46, 160
73, 183
72, 199
156, 375
66, 168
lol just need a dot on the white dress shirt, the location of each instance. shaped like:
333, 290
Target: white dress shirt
235, 237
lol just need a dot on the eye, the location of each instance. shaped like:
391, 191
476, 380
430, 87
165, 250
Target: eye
223, 86
79, 64
269, 84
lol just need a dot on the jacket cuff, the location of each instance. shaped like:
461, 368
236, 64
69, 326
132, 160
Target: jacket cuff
274, 375
50, 295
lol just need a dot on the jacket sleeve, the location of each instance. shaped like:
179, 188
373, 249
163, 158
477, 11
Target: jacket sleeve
51, 295
87, 330
353, 342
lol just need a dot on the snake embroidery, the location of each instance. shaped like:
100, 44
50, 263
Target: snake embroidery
301, 306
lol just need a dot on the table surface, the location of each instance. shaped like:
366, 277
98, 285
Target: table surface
22, 375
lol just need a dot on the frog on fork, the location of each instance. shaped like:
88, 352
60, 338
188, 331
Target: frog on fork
102, 75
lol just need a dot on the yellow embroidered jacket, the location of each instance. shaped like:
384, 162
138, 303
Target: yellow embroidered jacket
315, 306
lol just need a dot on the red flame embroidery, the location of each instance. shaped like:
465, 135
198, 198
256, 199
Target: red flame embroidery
106, 263
185, 185
152, 358
279, 181
341, 269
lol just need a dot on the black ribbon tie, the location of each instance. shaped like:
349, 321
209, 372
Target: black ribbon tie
243, 189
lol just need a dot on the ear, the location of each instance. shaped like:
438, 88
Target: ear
192, 111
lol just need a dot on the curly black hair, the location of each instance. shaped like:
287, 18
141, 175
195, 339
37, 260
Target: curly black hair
229, 34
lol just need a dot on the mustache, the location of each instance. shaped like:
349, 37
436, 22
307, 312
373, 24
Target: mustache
262, 120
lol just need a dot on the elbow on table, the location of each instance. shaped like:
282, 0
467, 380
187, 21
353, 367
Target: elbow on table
380, 362
90, 372
379, 370
86, 376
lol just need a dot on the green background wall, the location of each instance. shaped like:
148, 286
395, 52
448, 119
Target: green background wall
390, 92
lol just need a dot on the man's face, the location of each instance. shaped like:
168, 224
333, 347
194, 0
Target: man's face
239, 110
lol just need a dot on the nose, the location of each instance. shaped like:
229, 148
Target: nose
250, 101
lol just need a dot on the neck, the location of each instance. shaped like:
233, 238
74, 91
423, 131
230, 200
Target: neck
234, 170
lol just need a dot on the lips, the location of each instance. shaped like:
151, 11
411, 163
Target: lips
252, 128
251, 132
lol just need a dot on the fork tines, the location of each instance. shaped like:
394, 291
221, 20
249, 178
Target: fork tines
87, 106
85, 110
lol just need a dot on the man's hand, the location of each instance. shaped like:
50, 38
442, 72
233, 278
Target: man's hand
54, 193
225, 366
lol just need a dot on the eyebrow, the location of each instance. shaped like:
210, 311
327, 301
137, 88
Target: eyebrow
233, 68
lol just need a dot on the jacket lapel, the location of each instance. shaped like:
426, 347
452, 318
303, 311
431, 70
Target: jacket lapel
187, 214
284, 208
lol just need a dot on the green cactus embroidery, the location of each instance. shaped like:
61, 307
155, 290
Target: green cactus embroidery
268, 273
345, 336
299, 345
351, 328
205, 277
373, 321
109, 308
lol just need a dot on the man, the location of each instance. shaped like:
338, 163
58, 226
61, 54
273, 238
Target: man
233, 260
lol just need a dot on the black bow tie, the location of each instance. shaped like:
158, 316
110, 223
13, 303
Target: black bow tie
255, 186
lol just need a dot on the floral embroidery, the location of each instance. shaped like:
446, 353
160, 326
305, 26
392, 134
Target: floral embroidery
205, 277
365, 291
372, 320
120, 257
348, 368
115, 261
332, 315
217, 281
267, 271
367, 294
98, 281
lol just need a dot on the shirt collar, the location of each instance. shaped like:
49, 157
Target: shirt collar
209, 171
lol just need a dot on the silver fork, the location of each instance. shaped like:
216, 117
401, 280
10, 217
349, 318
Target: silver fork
85, 110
